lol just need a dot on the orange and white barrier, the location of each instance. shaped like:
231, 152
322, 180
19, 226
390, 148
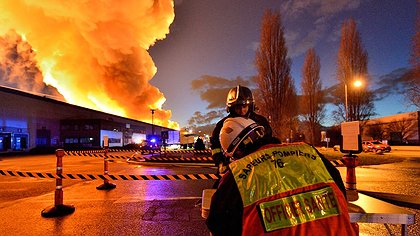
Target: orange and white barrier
59, 209
106, 185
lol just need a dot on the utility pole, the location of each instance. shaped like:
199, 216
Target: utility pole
153, 127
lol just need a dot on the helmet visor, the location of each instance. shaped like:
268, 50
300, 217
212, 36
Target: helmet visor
239, 96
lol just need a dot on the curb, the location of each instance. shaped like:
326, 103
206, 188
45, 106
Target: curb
405, 148
396, 199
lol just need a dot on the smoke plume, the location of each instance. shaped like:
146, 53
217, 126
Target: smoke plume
95, 52
18, 68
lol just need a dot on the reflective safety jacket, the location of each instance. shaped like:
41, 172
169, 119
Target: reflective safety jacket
286, 189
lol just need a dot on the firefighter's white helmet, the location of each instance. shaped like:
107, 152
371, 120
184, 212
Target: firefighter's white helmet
237, 133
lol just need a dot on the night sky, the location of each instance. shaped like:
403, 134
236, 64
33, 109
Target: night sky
218, 39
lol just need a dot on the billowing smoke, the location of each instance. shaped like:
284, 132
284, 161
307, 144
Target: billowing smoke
18, 68
95, 52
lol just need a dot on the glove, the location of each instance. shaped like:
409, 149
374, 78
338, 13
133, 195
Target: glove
222, 168
218, 158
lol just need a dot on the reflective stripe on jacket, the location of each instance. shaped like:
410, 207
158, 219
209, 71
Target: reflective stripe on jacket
286, 189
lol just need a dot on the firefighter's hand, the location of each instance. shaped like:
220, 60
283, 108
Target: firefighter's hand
218, 158
222, 168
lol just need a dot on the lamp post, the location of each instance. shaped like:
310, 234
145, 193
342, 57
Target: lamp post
153, 127
350, 160
356, 83
346, 104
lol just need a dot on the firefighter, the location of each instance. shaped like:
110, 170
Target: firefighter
239, 103
276, 189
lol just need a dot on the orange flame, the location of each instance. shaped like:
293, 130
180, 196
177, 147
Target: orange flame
95, 52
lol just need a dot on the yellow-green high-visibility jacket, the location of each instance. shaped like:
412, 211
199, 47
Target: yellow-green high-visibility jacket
287, 190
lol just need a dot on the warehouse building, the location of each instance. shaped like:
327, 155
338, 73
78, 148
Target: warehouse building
30, 121
399, 129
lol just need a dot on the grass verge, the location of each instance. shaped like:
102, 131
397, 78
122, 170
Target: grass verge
368, 158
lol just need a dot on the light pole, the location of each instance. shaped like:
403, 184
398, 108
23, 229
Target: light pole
345, 97
350, 160
153, 127
356, 83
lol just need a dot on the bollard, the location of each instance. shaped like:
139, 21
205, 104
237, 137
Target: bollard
351, 162
59, 209
106, 185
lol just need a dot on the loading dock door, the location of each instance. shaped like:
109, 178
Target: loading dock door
5, 141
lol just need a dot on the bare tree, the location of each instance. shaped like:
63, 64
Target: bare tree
413, 90
377, 131
277, 92
352, 64
401, 130
312, 106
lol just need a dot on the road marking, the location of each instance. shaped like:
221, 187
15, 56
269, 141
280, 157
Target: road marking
120, 200
152, 198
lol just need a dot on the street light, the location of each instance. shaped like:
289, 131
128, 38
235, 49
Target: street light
350, 160
356, 83
153, 127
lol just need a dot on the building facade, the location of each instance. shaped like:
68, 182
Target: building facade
28, 121
399, 129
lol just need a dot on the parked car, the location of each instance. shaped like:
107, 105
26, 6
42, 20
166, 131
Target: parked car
149, 145
375, 146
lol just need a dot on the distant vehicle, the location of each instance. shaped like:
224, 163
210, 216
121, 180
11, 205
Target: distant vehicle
150, 145
375, 146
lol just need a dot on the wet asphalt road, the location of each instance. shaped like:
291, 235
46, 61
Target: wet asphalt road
133, 208
147, 207
399, 178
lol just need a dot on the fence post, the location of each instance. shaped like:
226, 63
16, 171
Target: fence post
59, 209
106, 185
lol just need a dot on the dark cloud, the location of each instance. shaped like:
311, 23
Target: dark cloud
208, 118
331, 92
320, 13
202, 129
395, 82
213, 89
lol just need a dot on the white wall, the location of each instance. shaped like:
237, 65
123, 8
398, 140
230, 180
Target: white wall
113, 136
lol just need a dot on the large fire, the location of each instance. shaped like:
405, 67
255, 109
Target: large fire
95, 52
